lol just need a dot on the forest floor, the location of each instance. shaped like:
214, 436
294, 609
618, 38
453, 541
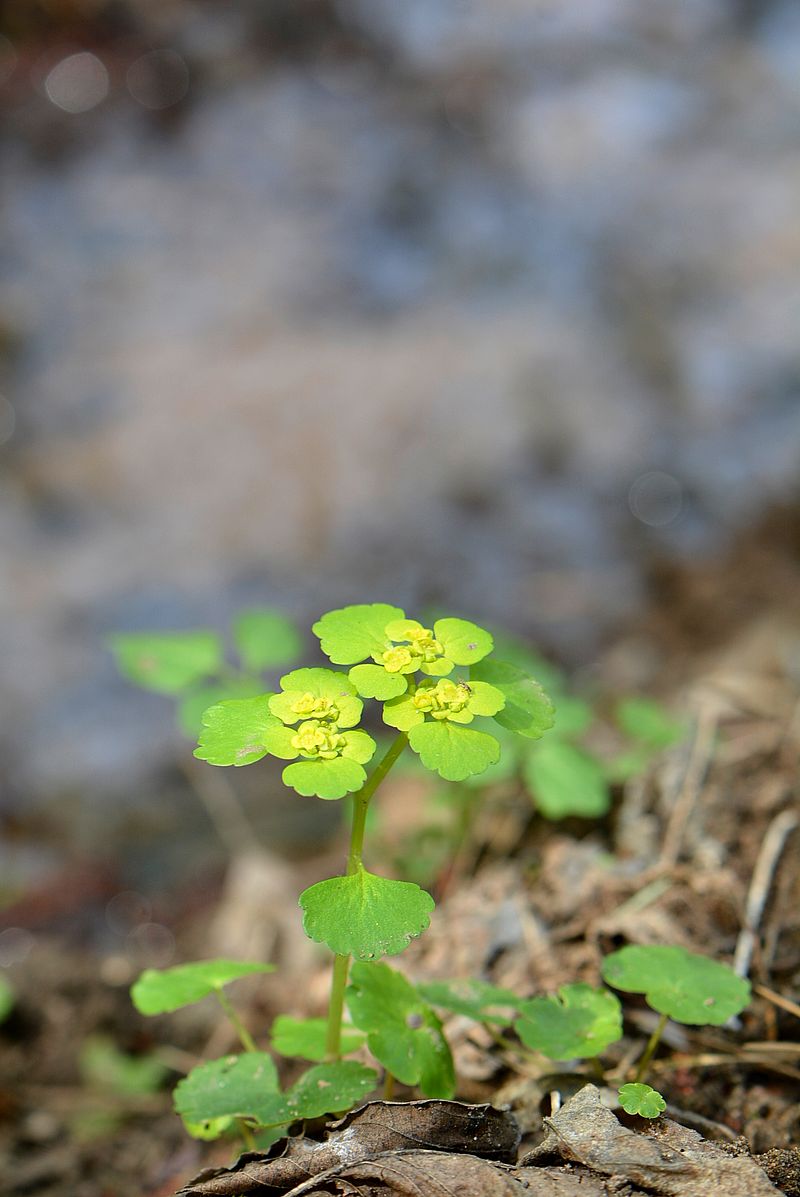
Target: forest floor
701, 851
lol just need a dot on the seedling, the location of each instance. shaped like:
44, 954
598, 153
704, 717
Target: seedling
579, 1023
450, 704
641, 1099
6, 999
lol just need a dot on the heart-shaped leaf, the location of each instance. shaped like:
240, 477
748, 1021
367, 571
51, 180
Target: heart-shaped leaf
351, 634
234, 731
364, 915
687, 987
453, 752
157, 991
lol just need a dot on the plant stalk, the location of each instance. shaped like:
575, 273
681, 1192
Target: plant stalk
652, 1044
341, 964
245, 1038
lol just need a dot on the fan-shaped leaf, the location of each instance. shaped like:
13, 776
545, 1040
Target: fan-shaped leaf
453, 752
157, 991
689, 988
527, 711
351, 634
578, 1023
234, 731
365, 916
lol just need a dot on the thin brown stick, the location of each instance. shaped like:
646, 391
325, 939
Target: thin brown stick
778, 832
691, 783
778, 999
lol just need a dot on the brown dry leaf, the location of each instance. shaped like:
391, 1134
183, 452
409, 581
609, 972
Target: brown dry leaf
667, 1159
376, 1128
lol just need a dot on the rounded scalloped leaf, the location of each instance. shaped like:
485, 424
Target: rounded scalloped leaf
329, 1088
359, 746
244, 1086
404, 1033
234, 731
265, 639
577, 1023
321, 683
476, 999
527, 711
453, 752
372, 681
325, 779
307, 1038
463, 642
167, 662
401, 714
159, 991
364, 915
687, 987
637, 1098
351, 634
566, 781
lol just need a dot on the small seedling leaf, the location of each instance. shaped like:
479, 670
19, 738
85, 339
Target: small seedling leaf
192, 708
578, 1023
404, 1032
528, 711
167, 662
159, 991
476, 999
305, 1037
645, 720
566, 781
365, 916
265, 639
637, 1098
6, 999
372, 681
453, 752
351, 634
329, 1088
104, 1066
326, 685
463, 642
234, 732
687, 987
244, 1086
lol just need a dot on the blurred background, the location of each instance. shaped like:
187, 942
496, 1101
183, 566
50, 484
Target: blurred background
305, 302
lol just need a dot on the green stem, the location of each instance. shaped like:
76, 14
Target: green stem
247, 1135
341, 964
245, 1038
652, 1044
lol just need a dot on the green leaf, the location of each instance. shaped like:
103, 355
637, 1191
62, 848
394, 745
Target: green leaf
401, 713
323, 685
325, 779
192, 707
528, 710
365, 916
351, 634
577, 1024
404, 1032
476, 999
372, 681
244, 1086
689, 988
329, 1088
636, 1098
158, 991
508, 766
455, 753
463, 642
104, 1066
6, 999
265, 639
210, 1128
646, 720
305, 1037
234, 732
167, 662
566, 781
572, 717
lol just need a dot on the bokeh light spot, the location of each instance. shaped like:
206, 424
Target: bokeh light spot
656, 498
77, 83
158, 79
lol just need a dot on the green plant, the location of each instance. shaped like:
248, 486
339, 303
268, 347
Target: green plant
191, 666
450, 704
6, 999
636, 1098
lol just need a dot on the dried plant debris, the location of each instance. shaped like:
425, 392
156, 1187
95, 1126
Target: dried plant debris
444, 1149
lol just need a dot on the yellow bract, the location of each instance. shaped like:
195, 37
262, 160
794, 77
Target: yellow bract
443, 699
319, 708
314, 739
